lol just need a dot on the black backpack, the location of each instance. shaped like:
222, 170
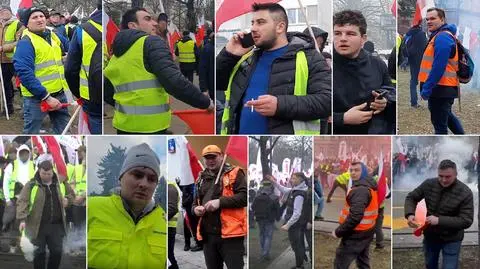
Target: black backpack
262, 207
95, 72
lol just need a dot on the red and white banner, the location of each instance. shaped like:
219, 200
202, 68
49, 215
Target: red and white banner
110, 30
183, 164
58, 158
421, 10
230, 9
15, 5
382, 181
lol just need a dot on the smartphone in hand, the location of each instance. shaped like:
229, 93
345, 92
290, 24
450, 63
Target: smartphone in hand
247, 41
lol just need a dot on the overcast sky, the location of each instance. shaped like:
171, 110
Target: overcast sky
97, 147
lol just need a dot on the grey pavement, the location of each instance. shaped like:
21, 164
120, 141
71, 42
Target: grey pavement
287, 260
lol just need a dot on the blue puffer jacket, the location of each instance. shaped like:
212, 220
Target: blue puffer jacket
445, 47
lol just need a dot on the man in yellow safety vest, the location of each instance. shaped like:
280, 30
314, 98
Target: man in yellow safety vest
188, 55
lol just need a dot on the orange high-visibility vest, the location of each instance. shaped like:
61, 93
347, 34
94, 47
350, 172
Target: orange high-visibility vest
234, 220
449, 77
369, 215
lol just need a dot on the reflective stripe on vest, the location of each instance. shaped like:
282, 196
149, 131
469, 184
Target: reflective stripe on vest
2, 196
13, 178
449, 77
9, 36
116, 241
33, 195
300, 89
186, 51
48, 63
343, 178
233, 220
172, 223
141, 103
369, 215
88, 46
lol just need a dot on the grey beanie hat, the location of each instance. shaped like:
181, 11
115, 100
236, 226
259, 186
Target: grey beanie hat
141, 155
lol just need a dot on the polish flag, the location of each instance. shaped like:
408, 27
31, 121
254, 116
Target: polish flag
230, 9
15, 5
2, 149
183, 164
83, 126
200, 34
58, 158
38, 143
382, 181
393, 9
237, 149
110, 30
173, 37
421, 10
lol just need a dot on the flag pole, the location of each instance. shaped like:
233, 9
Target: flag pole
3, 93
71, 120
221, 168
308, 25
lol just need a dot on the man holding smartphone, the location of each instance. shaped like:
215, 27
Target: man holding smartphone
282, 86
359, 78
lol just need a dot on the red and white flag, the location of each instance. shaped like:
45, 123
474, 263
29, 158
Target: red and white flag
200, 34
58, 158
230, 9
382, 181
183, 164
2, 149
421, 8
38, 143
237, 149
173, 37
393, 9
15, 5
83, 127
110, 30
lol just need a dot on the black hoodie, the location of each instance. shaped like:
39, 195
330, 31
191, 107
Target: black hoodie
354, 80
358, 198
157, 60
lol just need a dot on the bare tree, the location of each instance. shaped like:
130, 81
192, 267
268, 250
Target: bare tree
266, 151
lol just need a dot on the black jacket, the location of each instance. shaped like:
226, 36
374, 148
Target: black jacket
157, 60
452, 205
358, 198
315, 105
354, 80
414, 47
207, 68
211, 223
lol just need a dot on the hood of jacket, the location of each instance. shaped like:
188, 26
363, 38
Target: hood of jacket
186, 38
23, 147
125, 39
452, 28
298, 41
301, 187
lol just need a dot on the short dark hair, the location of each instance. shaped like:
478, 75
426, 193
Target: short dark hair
356, 163
440, 12
130, 16
353, 17
186, 33
300, 175
45, 166
273, 8
445, 164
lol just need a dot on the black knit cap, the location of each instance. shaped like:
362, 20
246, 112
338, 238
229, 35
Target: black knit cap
27, 13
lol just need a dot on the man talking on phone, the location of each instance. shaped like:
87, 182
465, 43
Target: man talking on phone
363, 103
275, 82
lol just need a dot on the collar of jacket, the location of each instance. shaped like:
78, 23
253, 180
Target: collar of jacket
146, 210
360, 61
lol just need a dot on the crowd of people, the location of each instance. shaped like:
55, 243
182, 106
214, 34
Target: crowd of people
38, 203
53, 57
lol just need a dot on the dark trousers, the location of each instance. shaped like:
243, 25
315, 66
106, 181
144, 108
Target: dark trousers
353, 249
79, 216
50, 235
187, 233
335, 185
217, 251
308, 237
378, 228
414, 70
2, 209
8, 72
187, 72
295, 236
171, 247
442, 116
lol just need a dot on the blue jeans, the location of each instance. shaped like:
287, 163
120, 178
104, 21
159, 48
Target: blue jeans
450, 253
33, 116
414, 69
94, 122
442, 116
265, 228
319, 201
